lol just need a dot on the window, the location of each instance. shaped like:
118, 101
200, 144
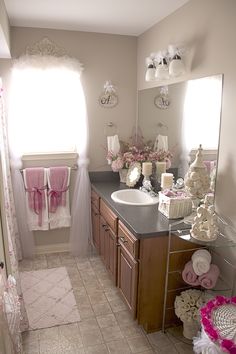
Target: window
202, 109
47, 110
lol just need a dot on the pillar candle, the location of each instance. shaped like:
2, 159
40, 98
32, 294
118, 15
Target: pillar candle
147, 168
160, 167
166, 180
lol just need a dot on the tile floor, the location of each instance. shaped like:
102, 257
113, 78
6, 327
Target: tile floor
106, 325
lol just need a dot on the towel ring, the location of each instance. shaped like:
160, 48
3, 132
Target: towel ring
110, 128
160, 125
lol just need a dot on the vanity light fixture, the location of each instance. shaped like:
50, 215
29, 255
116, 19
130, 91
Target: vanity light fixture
162, 71
176, 65
151, 69
165, 64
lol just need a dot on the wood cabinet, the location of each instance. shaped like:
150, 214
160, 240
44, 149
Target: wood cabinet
127, 278
138, 266
108, 239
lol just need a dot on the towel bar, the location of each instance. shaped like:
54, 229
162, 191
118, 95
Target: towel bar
74, 168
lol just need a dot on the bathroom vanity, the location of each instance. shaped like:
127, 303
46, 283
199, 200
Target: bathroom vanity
132, 242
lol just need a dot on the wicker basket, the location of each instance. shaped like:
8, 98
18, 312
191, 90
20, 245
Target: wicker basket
174, 208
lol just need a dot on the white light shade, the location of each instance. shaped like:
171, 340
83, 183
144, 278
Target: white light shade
162, 72
150, 74
176, 67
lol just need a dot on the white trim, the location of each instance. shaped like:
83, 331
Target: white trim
50, 156
209, 154
53, 248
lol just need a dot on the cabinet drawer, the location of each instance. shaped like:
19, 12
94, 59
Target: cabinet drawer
129, 242
109, 216
95, 199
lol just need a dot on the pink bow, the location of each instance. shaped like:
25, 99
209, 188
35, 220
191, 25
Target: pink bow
55, 198
38, 201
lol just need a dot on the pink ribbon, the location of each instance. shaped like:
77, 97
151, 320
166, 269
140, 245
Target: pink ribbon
38, 201
55, 199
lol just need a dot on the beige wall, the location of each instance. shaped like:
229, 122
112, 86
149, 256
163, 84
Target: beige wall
207, 28
105, 57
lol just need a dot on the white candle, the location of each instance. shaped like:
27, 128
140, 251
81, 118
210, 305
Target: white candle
166, 180
147, 168
160, 167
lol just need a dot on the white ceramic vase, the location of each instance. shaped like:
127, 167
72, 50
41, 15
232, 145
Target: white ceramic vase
123, 175
190, 329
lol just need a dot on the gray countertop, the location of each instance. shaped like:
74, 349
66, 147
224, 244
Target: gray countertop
142, 221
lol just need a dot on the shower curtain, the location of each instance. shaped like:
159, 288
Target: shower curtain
13, 246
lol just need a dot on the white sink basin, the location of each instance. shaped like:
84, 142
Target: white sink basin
133, 197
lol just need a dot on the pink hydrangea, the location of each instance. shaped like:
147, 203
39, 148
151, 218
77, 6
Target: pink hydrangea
117, 164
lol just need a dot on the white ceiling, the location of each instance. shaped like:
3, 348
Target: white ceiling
126, 17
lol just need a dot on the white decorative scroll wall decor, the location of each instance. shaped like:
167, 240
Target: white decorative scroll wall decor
109, 98
45, 47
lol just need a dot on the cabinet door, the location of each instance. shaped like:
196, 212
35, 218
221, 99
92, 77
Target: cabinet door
128, 278
112, 252
102, 238
95, 227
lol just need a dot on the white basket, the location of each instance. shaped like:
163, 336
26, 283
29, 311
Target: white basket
174, 208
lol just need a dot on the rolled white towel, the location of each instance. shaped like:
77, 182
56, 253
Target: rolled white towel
201, 261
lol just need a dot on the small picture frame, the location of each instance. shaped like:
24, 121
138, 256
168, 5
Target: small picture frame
108, 100
162, 101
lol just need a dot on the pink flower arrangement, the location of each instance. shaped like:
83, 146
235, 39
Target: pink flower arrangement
133, 154
226, 345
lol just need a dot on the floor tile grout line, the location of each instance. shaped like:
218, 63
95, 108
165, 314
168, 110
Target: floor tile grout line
98, 275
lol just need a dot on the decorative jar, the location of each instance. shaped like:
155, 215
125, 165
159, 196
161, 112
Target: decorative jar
123, 175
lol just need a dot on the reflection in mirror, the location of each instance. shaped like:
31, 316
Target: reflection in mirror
192, 118
134, 174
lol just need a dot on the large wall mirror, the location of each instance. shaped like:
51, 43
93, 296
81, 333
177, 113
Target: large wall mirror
188, 113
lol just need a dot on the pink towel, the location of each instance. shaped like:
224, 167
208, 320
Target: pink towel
209, 279
34, 178
189, 276
58, 185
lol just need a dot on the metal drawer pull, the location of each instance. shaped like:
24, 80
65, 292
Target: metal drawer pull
123, 239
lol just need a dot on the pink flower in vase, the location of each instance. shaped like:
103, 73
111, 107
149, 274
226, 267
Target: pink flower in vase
117, 164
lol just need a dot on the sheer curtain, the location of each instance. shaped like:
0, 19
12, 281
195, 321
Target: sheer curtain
81, 229
10, 226
48, 114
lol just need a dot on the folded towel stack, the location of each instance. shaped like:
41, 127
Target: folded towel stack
200, 271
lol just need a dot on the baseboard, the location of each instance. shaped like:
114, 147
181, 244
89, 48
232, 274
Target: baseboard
53, 248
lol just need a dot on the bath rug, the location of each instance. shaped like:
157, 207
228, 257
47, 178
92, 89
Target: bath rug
49, 298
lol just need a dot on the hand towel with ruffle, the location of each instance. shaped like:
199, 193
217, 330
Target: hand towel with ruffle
161, 143
35, 181
58, 196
